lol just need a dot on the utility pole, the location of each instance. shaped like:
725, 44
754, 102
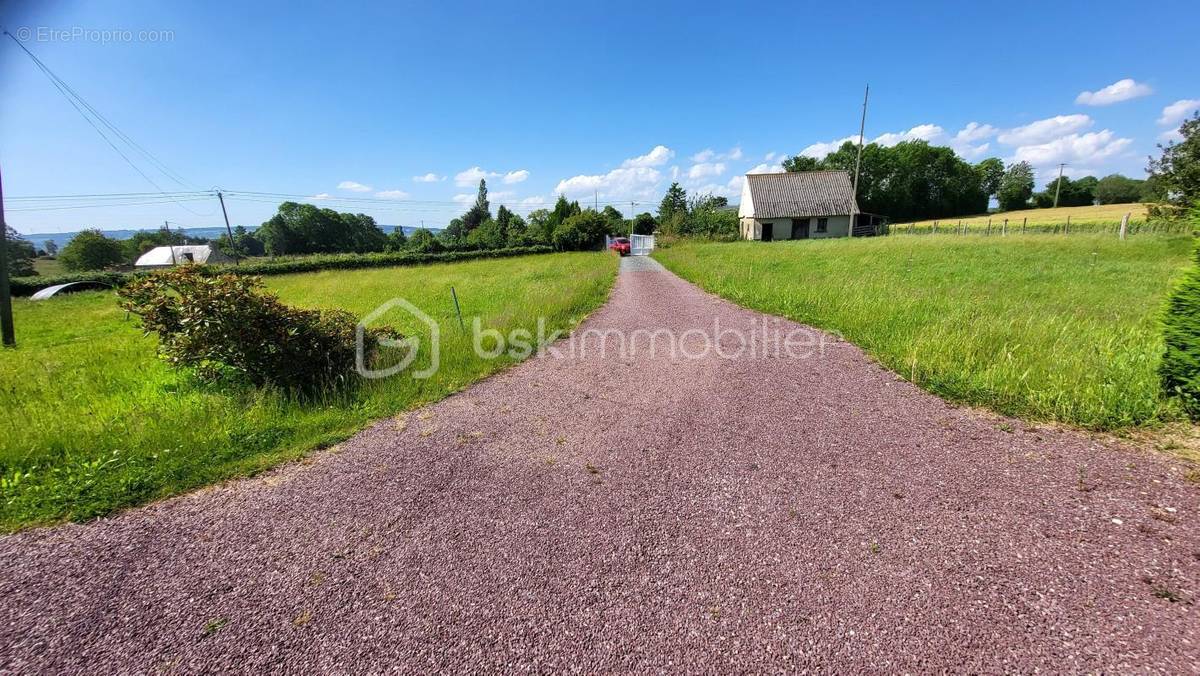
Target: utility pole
6, 319
862, 127
1058, 185
595, 200
167, 228
228, 230
632, 218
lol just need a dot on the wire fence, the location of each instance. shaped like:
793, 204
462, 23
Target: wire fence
1022, 226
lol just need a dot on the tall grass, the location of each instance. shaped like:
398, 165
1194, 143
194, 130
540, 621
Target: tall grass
1064, 329
94, 421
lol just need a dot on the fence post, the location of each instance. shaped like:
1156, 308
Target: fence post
1023, 222
1004, 228
1124, 225
935, 227
961, 231
1068, 225
989, 228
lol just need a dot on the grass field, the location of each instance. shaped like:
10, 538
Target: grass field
1101, 218
94, 421
48, 267
1062, 329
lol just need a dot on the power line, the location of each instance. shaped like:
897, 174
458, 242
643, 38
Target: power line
77, 101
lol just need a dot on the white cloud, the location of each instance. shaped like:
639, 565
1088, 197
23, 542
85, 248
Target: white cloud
1043, 131
619, 183
921, 132
820, 150
1121, 90
708, 155
464, 198
1171, 135
392, 194
429, 178
353, 186
533, 201
516, 176
657, 157
975, 132
1077, 150
770, 156
704, 169
1179, 111
765, 168
472, 176
965, 141
321, 196
505, 196
636, 178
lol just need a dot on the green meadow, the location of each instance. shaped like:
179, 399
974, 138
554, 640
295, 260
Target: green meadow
94, 421
1048, 328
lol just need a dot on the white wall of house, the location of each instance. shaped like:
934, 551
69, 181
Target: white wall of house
838, 226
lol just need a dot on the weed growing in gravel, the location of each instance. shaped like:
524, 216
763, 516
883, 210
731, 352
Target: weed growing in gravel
1165, 592
213, 626
1030, 326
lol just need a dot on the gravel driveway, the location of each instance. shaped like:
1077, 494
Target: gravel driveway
615, 512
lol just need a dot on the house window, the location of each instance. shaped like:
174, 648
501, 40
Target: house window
822, 225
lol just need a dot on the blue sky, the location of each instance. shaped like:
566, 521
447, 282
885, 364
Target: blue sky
608, 98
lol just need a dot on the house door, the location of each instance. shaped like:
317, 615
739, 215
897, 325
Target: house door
799, 228
768, 232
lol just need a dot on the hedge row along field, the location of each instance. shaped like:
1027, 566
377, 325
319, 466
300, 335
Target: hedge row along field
27, 286
1065, 329
95, 421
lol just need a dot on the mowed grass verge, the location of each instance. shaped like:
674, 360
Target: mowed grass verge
95, 421
1063, 329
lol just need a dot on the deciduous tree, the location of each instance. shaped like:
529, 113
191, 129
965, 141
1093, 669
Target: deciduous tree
91, 250
1016, 187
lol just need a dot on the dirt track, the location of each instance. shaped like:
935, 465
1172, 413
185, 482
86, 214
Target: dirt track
609, 512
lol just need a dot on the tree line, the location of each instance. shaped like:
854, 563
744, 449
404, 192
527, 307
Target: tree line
914, 180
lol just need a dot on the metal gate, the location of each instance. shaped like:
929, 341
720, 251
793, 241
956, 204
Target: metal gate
641, 245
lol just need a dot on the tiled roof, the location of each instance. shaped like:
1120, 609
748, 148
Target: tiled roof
799, 194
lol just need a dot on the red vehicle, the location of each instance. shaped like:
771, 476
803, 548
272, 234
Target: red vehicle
620, 245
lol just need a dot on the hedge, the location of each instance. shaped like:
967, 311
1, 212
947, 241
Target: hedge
27, 286
1179, 371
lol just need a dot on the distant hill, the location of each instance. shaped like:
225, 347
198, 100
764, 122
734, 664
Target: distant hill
61, 238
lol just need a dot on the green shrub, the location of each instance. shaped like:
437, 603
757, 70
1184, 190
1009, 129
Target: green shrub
1180, 367
91, 250
226, 327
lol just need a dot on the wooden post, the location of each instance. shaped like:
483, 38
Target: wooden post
1068, 225
6, 316
457, 310
989, 227
1024, 221
228, 231
1124, 225
1004, 228
935, 227
961, 230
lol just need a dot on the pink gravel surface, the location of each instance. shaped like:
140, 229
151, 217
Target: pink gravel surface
636, 513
